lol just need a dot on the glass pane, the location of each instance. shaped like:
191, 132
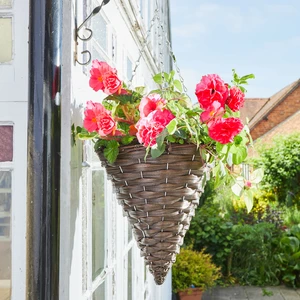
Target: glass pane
129, 68
5, 234
98, 227
6, 143
129, 275
114, 48
100, 31
129, 232
5, 40
5, 3
99, 294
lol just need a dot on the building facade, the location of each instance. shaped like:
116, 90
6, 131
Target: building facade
62, 233
278, 114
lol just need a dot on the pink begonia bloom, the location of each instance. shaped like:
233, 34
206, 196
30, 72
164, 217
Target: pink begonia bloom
112, 84
91, 113
211, 88
104, 78
236, 99
106, 124
150, 103
215, 111
224, 130
152, 125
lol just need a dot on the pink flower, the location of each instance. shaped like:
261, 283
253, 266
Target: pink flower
97, 118
162, 117
224, 130
236, 99
215, 111
211, 88
248, 184
104, 78
91, 113
150, 103
152, 125
112, 84
106, 124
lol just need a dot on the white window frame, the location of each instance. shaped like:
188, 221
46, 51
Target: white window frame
15, 114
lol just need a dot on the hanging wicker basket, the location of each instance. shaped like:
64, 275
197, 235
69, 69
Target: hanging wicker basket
159, 197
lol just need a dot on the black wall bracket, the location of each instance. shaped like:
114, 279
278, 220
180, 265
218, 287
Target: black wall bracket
77, 36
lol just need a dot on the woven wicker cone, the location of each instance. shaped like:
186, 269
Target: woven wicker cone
159, 197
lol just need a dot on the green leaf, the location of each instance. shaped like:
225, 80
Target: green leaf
172, 126
221, 148
100, 143
140, 89
238, 187
180, 133
257, 176
158, 78
240, 155
87, 135
158, 151
246, 77
178, 85
248, 198
160, 138
111, 151
126, 140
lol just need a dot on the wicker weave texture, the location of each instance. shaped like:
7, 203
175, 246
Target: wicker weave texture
159, 197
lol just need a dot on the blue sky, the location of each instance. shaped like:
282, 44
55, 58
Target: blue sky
258, 36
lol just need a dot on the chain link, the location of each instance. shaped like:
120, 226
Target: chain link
161, 35
142, 49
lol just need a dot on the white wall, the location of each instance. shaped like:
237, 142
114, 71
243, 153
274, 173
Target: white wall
79, 164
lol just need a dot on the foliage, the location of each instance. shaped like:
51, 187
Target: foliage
253, 249
211, 231
289, 257
281, 164
195, 269
291, 216
166, 115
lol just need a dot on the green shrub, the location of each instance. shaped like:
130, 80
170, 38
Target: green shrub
211, 230
281, 164
291, 216
193, 269
253, 251
289, 257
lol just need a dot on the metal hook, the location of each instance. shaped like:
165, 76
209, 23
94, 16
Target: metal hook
95, 11
89, 59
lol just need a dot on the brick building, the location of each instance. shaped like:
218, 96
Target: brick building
279, 114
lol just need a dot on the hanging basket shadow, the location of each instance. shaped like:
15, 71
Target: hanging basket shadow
159, 197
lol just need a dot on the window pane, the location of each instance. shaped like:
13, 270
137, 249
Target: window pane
5, 239
5, 3
129, 68
6, 142
98, 227
129, 232
5, 40
100, 31
129, 289
114, 48
99, 294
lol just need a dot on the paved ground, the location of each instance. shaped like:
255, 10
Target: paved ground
252, 293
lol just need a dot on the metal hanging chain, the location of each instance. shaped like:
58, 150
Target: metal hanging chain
171, 53
142, 49
161, 34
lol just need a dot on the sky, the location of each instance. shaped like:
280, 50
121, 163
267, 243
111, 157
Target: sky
251, 36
